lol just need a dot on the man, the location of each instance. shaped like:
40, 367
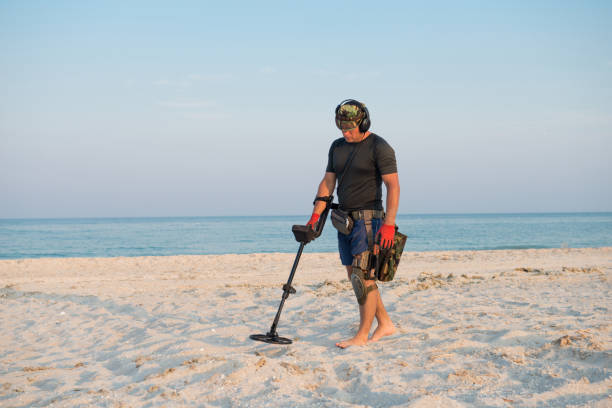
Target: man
360, 180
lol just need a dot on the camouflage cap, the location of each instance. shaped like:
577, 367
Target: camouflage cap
349, 116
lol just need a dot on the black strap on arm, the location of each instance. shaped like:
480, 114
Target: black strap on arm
327, 199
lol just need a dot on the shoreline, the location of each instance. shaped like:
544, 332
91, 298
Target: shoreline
486, 328
293, 252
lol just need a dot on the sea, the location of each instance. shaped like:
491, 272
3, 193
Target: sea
129, 237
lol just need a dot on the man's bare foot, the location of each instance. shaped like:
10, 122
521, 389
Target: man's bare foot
355, 341
382, 331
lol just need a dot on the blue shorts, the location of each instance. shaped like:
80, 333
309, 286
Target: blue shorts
357, 241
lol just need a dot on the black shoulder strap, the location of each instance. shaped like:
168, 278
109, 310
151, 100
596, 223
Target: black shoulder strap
375, 146
349, 161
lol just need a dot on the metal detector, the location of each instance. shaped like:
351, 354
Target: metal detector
303, 234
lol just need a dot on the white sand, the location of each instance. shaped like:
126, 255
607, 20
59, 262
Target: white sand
528, 328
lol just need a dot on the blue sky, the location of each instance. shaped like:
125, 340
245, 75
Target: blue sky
200, 108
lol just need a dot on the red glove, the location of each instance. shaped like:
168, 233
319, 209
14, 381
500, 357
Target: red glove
387, 234
313, 220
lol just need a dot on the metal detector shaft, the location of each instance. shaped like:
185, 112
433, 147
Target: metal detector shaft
303, 234
287, 289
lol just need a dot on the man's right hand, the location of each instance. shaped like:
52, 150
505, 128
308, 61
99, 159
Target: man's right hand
313, 220
387, 235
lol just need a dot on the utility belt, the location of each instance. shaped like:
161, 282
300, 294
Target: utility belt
367, 214
343, 221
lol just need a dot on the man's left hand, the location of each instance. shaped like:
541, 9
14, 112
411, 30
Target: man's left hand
387, 235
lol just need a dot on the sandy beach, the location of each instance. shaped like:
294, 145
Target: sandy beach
507, 328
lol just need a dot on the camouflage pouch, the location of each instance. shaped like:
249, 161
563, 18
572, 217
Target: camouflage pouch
388, 260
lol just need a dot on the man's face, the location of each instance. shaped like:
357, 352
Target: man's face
352, 135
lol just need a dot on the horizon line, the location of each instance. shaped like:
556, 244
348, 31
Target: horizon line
298, 215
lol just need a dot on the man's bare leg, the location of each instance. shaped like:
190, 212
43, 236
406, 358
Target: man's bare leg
385, 325
367, 311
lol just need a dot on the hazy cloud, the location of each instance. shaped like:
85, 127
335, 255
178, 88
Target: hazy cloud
350, 76
353, 76
191, 79
198, 109
207, 115
211, 77
268, 70
188, 104
325, 73
162, 82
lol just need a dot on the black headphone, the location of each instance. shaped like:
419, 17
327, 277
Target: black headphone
365, 123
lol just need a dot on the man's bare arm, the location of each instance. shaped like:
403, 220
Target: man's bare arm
393, 194
326, 188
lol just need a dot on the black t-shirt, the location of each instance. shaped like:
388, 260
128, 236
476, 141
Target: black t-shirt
361, 187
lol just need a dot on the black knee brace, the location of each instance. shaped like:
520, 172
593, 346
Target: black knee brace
362, 271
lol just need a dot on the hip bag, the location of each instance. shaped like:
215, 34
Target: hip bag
342, 221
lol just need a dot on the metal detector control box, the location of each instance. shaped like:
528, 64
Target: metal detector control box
303, 233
